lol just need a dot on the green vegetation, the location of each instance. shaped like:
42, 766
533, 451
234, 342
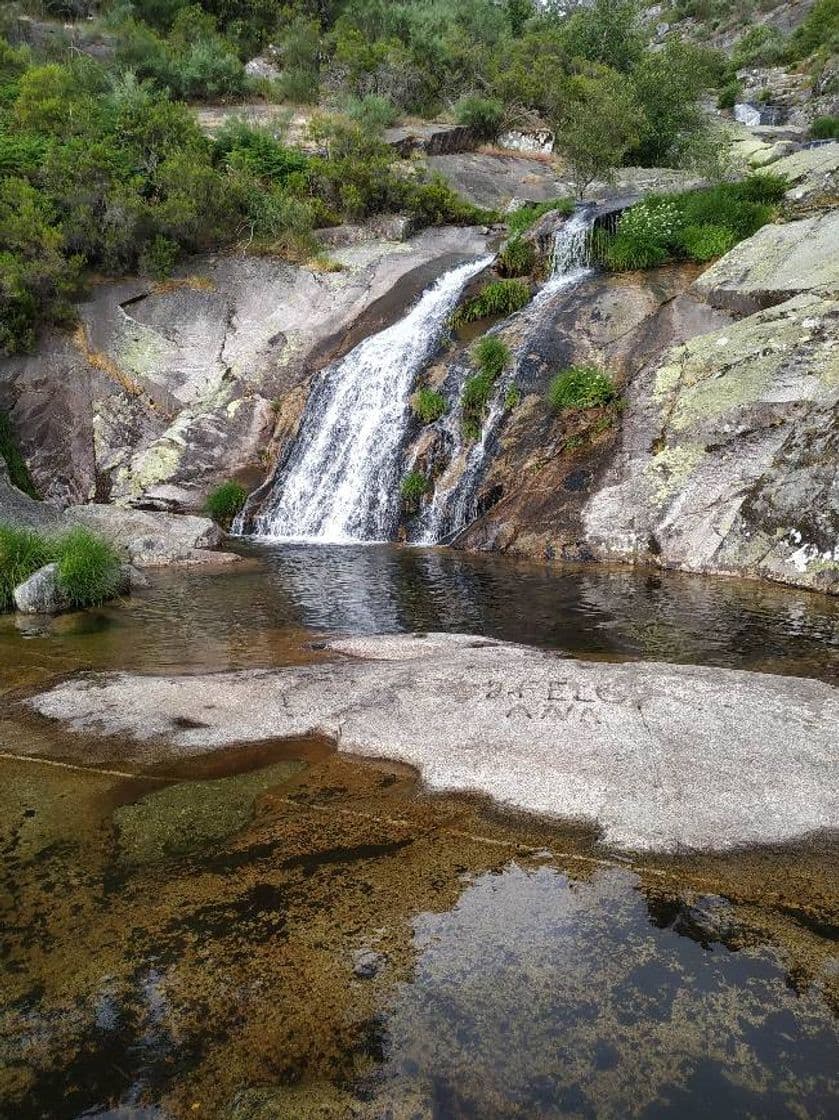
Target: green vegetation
225, 502
825, 128
512, 398
491, 355
22, 552
497, 298
517, 257
482, 115
428, 405
10, 453
413, 489
580, 387
520, 221
819, 33
88, 568
697, 225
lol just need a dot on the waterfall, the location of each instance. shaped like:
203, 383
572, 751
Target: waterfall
453, 506
341, 482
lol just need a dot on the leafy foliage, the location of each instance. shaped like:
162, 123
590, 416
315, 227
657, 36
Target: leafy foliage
697, 225
482, 115
225, 502
580, 387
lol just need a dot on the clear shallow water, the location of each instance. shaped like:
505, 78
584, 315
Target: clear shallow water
187, 946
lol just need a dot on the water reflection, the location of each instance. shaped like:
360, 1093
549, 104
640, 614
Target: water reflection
263, 613
543, 996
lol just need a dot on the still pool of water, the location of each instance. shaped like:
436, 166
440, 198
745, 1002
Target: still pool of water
282, 932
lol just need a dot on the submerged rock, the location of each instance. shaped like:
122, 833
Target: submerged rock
661, 756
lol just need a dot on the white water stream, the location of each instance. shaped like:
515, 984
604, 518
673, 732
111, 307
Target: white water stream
341, 482
453, 505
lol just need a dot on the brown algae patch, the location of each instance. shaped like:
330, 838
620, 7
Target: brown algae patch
222, 980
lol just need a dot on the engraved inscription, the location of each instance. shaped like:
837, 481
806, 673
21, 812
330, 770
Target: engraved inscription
560, 699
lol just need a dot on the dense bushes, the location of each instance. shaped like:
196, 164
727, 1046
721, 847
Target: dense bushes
87, 567
825, 128
482, 115
698, 225
499, 297
517, 257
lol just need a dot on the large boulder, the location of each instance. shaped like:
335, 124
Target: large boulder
150, 538
42, 593
778, 262
17, 508
728, 453
813, 174
660, 756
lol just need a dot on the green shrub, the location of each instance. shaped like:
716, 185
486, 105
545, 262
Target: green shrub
512, 398
225, 502
825, 128
158, 258
580, 387
372, 112
517, 257
10, 453
22, 552
729, 94
759, 46
499, 297
491, 355
482, 115
413, 489
705, 243
88, 567
428, 405
819, 31
696, 225
519, 221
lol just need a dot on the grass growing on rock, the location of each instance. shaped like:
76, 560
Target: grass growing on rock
520, 221
413, 489
87, 566
580, 387
22, 552
517, 257
225, 502
491, 355
428, 405
497, 298
696, 225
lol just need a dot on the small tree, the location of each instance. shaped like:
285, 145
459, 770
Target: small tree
597, 122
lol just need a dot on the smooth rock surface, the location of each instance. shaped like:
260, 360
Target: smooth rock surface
150, 539
41, 593
780, 261
661, 756
17, 508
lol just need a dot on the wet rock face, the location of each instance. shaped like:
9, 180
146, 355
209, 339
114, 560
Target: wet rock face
164, 390
661, 757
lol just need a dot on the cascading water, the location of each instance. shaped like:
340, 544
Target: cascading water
453, 505
341, 482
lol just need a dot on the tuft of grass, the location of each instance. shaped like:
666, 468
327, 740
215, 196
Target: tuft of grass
22, 552
88, 567
9, 451
413, 489
580, 387
491, 354
517, 257
225, 502
428, 405
825, 128
519, 221
498, 298
512, 398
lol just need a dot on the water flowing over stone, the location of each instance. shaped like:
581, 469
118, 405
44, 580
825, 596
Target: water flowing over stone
454, 503
341, 483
